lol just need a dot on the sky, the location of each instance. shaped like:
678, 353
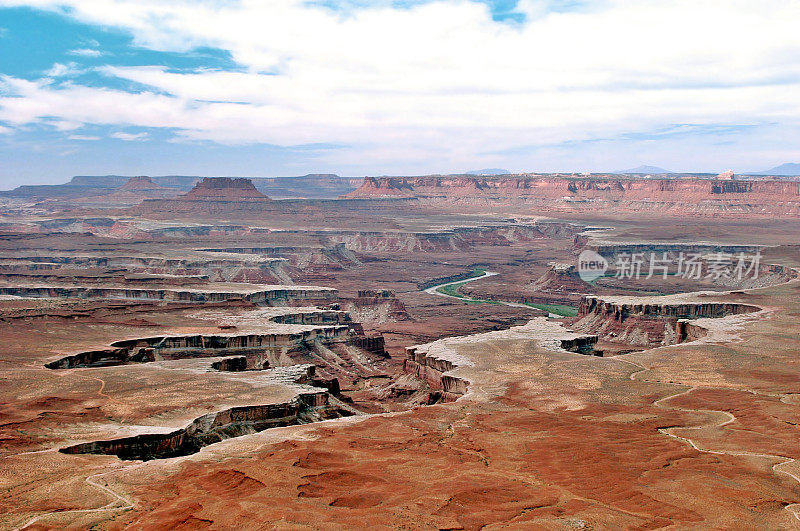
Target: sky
380, 87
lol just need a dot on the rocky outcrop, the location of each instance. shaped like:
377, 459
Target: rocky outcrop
278, 296
337, 245
133, 192
211, 196
435, 362
103, 358
211, 266
376, 307
688, 330
316, 317
580, 345
256, 347
224, 189
461, 239
561, 284
431, 369
642, 322
233, 364
612, 250
373, 344
215, 427
620, 310
726, 175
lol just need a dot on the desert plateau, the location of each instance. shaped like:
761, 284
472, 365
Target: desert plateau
427, 359
448, 265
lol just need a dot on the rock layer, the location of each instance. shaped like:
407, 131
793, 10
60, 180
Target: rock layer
595, 194
311, 406
643, 322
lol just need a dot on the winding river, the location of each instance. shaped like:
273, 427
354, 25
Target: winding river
434, 290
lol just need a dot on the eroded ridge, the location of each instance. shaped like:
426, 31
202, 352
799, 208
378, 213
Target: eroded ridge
310, 405
310, 350
436, 362
256, 347
297, 334
643, 322
270, 295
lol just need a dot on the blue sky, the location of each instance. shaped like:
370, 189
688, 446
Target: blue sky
356, 87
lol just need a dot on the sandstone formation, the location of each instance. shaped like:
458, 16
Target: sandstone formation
260, 349
646, 322
224, 189
269, 295
376, 306
598, 193
557, 187
437, 362
310, 405
561, 283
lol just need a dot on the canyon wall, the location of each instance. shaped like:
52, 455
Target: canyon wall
596, 194
556, 187
278, 296
432, 365
256, 347
215, 427
644, 323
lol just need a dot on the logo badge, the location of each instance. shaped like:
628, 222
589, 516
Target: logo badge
591, 266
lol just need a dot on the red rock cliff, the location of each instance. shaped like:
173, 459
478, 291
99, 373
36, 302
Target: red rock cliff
609, 194
556, 187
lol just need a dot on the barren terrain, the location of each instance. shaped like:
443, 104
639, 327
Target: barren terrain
401, 358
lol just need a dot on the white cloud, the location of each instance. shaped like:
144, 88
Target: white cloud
439, 81
62, 70
86, 52
130, 137
66, 126
83, 137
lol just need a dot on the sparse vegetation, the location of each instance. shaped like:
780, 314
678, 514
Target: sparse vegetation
557, 309
452, 291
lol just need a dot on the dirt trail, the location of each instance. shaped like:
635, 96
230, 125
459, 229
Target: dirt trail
783, 461
118, 502
729, 418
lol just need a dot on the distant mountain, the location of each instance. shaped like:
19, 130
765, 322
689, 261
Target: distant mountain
92, 185
788, 169
489, 171
652, 170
